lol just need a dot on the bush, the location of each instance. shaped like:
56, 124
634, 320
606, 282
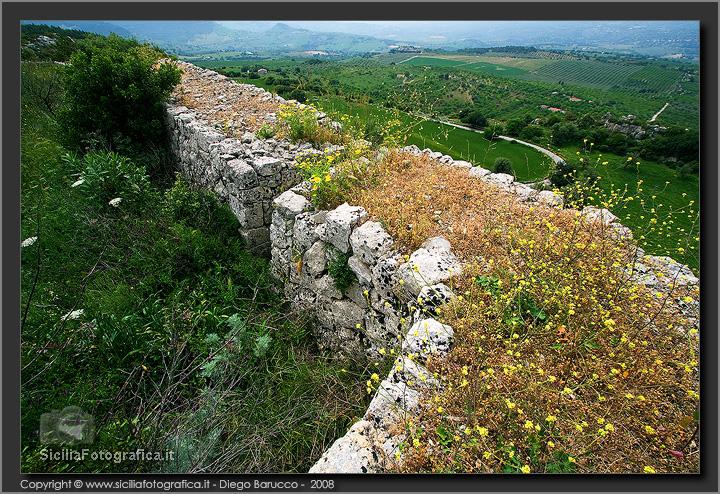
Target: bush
503, 165
340, 271
107, 176
298, 94
474, 119
532, 133
41, 86
301, 124
563, 174
564, 133
115, 94
265, 131
514, 127
493, 130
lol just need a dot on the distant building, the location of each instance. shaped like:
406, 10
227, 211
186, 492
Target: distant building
262, 71
552, 108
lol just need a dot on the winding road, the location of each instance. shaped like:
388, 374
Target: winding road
555, 157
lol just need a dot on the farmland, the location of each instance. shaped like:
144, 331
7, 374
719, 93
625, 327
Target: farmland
422, 90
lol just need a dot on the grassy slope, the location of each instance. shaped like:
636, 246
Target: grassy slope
155, 286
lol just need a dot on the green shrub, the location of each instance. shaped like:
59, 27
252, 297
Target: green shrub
503, 165
115, 94
474, 118
265, 131
108, 176
563, 173
340, 271
565, 133
301, 124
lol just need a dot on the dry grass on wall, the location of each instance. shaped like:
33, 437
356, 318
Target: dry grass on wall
562, 363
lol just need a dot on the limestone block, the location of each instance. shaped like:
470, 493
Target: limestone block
290, 204
428, 337
461, 164
550, 198
429, 265
352, 453
383, 273
500, 179
392, 402
339, 224
361, 270
267, 165
304, 234
370, 241
241, 174
524, 192
314, 261
593, 214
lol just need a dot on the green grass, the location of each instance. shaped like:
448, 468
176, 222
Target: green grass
183, 342
672, 198
458, 143
480, 67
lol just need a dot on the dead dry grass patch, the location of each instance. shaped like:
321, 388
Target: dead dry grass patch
562, 363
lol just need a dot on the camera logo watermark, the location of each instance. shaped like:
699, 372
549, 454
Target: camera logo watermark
67, 427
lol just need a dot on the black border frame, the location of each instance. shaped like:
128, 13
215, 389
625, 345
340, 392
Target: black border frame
705, 12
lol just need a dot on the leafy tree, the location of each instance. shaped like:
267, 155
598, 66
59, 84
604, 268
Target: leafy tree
675, 142
474, 119
564, 173
617, 143
493, 130
532, 133
564, 133
115, 93
514, 127
503, 165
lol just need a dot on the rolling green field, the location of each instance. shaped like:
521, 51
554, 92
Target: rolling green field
481, 67
368, 88
458, 143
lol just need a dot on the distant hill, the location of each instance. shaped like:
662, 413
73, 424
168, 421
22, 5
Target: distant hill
97, 27
40, 42
197, 37
654, 38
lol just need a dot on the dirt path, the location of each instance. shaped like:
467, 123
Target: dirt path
658, 113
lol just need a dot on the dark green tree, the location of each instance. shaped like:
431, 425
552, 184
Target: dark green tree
565, 133
474, 118
115, 91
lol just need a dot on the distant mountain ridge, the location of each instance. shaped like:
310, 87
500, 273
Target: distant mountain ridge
196, 37
654, 38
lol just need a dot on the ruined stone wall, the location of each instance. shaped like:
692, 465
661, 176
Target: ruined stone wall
390, 304
246, 172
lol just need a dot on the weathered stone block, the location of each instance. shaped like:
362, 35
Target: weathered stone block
428, 337
370, 241
339, 224
429, 265
289, 204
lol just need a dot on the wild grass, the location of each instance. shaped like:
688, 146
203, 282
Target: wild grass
140, 305
562, 361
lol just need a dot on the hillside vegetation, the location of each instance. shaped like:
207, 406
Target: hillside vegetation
408, 89
140, 304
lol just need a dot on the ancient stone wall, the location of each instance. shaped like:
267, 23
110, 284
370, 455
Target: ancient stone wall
391, 300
